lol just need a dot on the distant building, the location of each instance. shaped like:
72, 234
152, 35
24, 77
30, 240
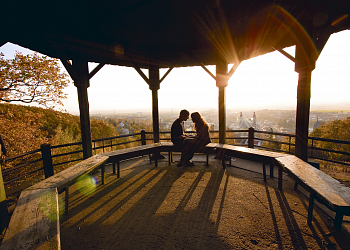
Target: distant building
247, 123
125, 131
317, 124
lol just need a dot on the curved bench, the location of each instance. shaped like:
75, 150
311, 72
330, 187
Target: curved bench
35, 221
322, 187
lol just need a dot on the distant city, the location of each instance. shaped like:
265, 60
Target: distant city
282, 121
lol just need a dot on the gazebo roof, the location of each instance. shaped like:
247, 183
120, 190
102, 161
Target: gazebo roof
174, 33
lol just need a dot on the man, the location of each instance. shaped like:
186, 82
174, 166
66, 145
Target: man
177, 129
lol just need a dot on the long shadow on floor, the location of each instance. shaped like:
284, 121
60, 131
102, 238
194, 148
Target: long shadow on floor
190, 208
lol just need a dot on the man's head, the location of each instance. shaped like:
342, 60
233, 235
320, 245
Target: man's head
184, 114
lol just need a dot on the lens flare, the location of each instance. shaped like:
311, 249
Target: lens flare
86, 185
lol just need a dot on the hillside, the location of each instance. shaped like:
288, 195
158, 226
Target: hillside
25, 128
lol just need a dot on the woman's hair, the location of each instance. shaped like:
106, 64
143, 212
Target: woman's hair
198, 121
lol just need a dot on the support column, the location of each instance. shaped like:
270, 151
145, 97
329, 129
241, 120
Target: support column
221, 82
82, 83
304, 65
154, 85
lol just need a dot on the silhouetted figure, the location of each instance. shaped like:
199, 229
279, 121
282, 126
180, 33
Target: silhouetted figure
191, 144
177, 129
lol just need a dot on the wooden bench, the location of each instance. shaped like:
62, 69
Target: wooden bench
170, 148
263, 156
115, 157
321, 187
35, 220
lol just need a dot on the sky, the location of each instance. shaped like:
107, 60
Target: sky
264, 82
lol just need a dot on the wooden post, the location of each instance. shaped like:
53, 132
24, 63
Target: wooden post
143, 137
82, 83
251, 137
221, 82
47, 160
4, 216
154, 86
311, 208
304, 68
305, 57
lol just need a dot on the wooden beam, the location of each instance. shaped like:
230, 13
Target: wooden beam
137, 68
285, 54
95, 70
166, 74
69, 67
233, 70
208, 71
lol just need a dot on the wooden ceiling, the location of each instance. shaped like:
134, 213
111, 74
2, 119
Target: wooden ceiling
174, 33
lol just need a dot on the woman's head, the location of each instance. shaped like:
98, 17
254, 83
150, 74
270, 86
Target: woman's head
198, 120
196, 117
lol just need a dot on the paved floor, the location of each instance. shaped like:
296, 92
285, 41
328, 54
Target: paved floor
200, 207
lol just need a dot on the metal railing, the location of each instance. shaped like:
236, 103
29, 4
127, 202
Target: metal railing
29, 166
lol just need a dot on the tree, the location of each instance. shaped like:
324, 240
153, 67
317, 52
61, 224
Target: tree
337, 130
32, 79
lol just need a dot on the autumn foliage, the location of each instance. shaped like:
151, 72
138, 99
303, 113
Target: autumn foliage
25, 129
32, 79
336, 130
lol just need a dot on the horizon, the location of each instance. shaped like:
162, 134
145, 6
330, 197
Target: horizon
265, 82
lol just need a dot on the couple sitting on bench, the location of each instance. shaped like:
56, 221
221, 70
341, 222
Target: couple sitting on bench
186, 143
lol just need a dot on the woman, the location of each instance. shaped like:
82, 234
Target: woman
195, 143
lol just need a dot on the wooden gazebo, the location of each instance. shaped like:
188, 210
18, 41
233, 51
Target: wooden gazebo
158, 34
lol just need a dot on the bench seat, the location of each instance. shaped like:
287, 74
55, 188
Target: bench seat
35, 221
263, 156
170, 148
321, 187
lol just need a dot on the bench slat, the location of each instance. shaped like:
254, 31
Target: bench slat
127, 153
35, 221
251, 153
69, 176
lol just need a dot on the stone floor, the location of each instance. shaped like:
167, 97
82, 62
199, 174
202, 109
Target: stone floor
200, 207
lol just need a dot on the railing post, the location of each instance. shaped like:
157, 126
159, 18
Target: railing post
251, 137
4, 216
47, 160
143, 137
290, 142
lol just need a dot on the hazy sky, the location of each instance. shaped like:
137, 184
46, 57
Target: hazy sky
268, 81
